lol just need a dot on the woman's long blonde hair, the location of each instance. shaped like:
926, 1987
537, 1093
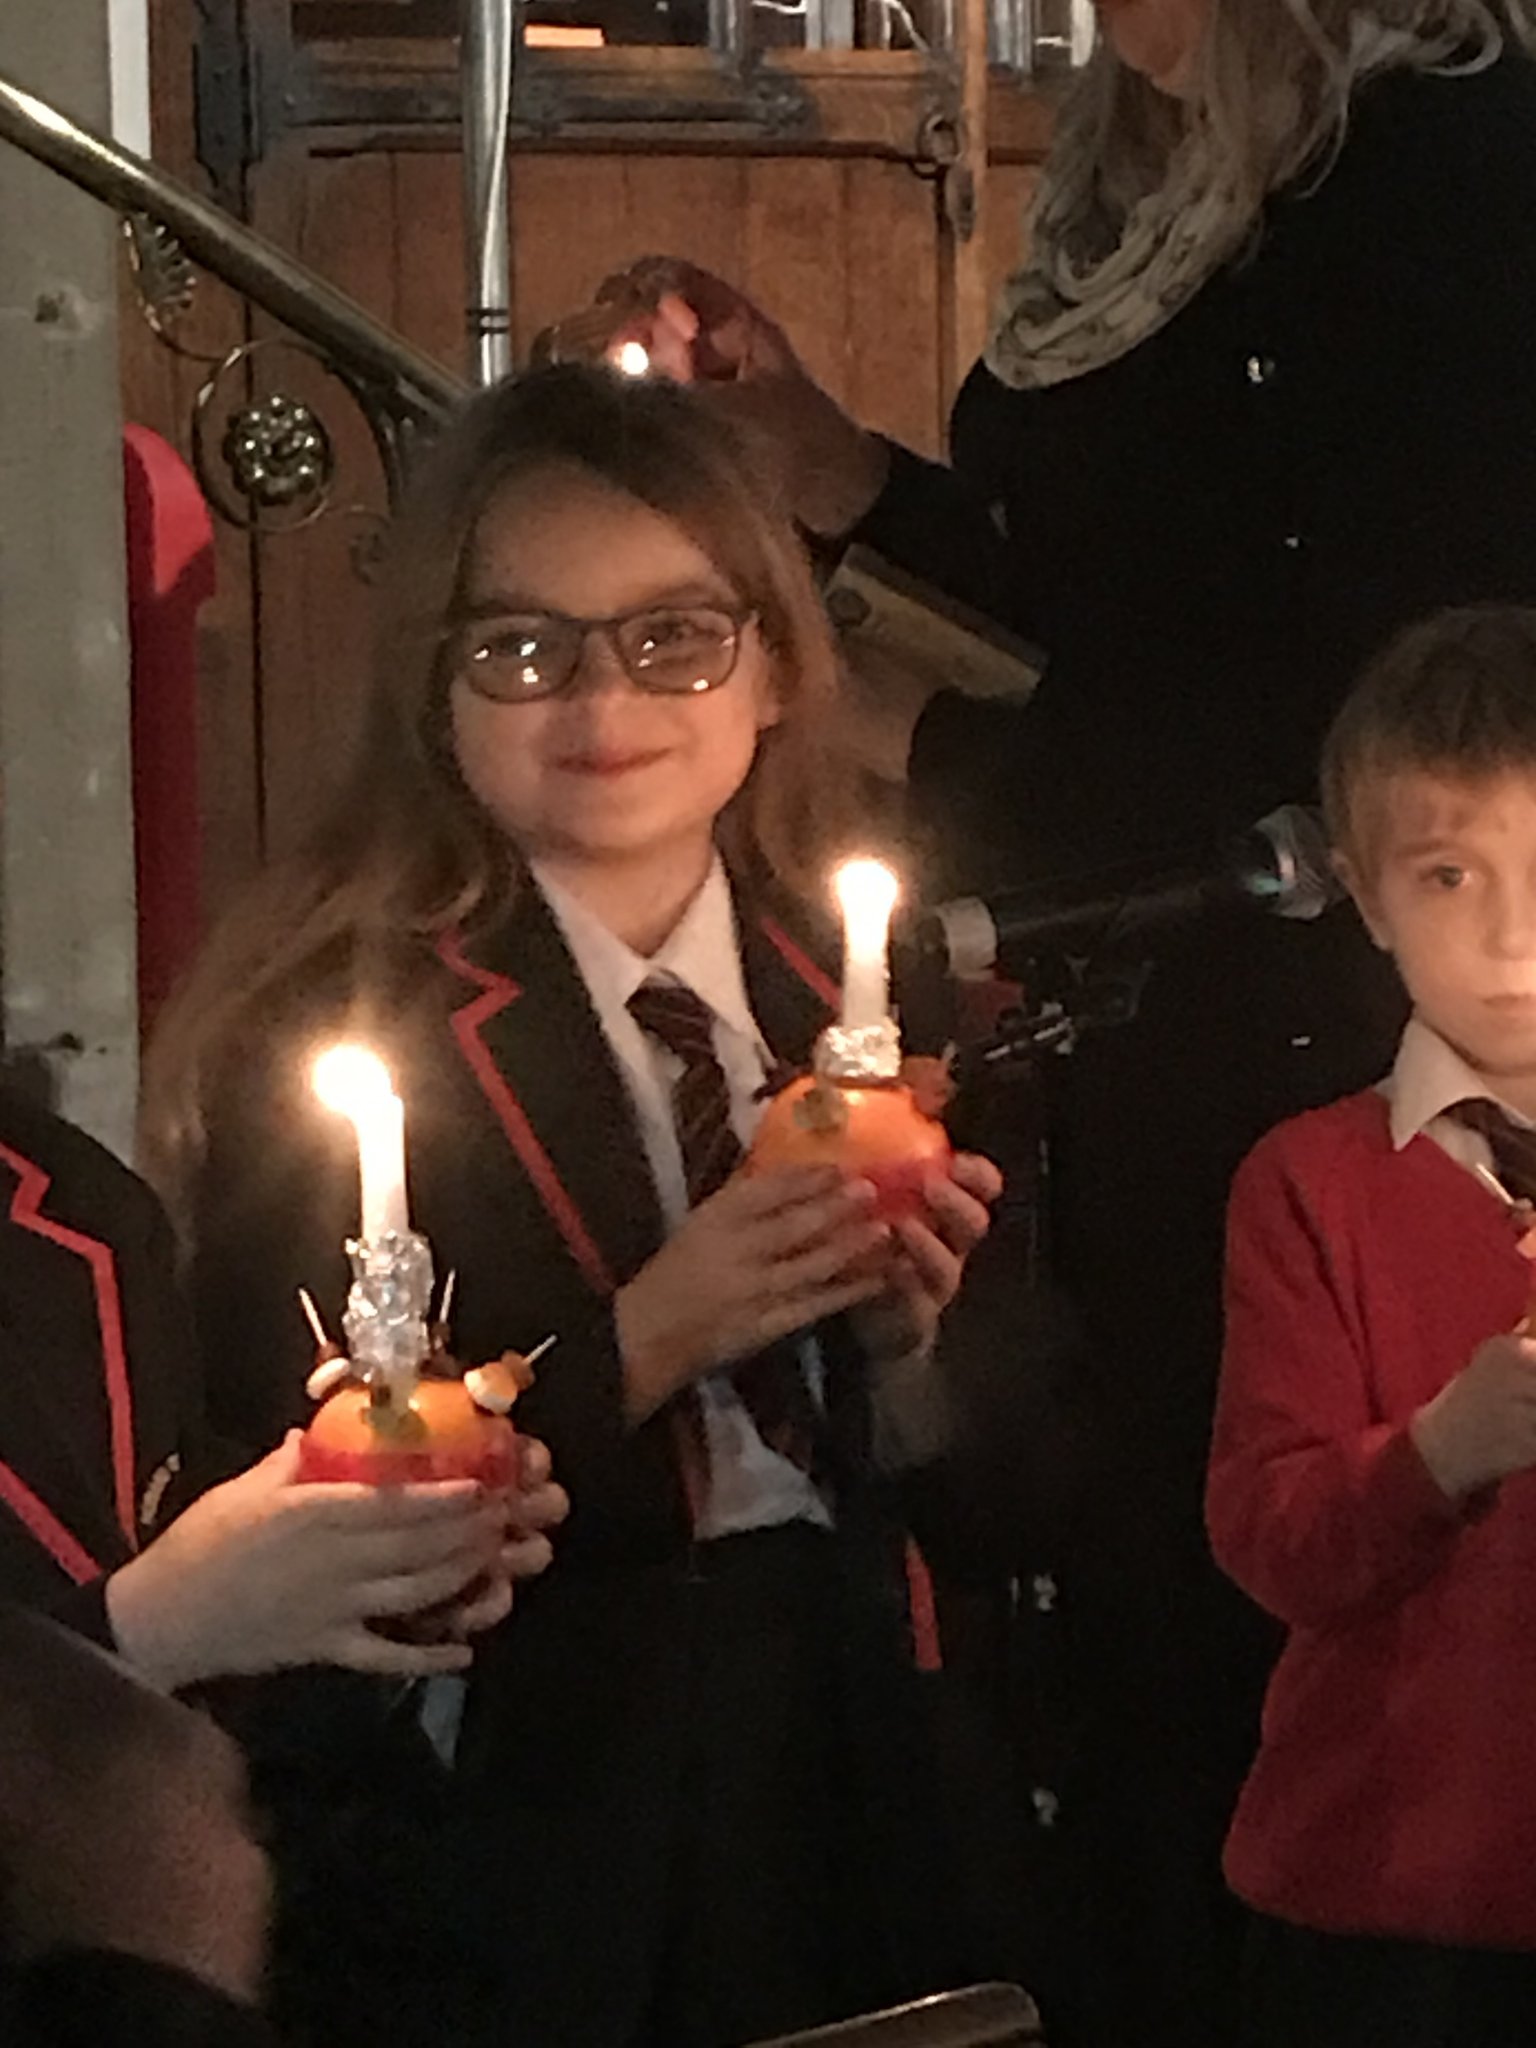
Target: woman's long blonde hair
402, 850
1273, 84
1145, 196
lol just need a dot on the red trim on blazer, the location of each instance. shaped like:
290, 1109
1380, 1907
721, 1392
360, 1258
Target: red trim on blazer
496, 992
922, 1612
68, 1554
32, 1184
815, 978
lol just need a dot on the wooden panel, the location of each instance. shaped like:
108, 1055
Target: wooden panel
892, 270
429, 254
315, 611
570, 229
795, 258
691, 206
843, 254
403, 93
576, 219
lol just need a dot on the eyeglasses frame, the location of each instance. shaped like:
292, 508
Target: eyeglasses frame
741, 617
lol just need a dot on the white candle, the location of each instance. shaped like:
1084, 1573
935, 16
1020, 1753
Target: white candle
866, 889
357, 1084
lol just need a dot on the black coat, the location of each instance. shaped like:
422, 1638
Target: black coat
528, 1176
82, 1998
100, 1421
1208, 537
100, 1440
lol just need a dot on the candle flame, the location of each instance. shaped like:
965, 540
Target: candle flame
351, 1080
633, 359
867, 891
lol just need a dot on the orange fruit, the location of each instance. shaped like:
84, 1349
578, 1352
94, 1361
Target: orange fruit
874, 1133
440, 1435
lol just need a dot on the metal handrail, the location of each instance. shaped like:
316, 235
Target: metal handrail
413, 388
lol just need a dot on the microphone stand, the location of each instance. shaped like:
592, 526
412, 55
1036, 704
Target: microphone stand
1107, 996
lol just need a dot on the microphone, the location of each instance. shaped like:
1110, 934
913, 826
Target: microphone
1280, 865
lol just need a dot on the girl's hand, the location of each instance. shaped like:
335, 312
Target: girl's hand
1481, 1428
534, 1507
699, 330
924, 1275
769, 1254
265, 1572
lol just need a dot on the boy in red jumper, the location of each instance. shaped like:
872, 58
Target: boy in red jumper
1373, 1472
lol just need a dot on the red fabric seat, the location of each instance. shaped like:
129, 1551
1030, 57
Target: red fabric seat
170, 578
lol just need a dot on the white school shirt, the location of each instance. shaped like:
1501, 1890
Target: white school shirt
1428, 1078
750, 1486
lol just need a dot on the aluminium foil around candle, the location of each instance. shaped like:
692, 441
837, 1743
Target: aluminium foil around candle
386, 1314
867, 1053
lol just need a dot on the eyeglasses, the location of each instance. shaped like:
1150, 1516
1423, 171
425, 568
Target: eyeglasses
669, 650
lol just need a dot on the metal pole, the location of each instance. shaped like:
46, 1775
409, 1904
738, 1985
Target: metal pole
489, 41
730, 29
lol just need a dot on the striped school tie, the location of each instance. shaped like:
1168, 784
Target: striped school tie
1512, 1145
771, 1385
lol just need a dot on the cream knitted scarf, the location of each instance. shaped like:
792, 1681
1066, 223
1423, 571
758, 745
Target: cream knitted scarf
1100, 279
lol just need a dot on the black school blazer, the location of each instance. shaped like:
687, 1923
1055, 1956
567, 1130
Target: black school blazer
98, 1406
528, 1175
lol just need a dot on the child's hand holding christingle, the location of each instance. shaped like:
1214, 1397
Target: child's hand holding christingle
770, 1254
1481, 1428
267, 1571
928, 1256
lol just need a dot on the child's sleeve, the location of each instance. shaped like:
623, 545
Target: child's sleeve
1318, 1509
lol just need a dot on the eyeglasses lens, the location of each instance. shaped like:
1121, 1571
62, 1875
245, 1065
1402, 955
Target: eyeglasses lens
681, 652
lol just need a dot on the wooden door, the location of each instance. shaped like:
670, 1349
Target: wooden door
852, 192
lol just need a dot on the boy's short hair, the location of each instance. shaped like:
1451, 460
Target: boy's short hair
1454, 695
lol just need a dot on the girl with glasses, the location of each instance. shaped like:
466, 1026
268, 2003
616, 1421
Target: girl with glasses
564, 891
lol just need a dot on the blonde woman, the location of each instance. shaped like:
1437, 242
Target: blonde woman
1263, 391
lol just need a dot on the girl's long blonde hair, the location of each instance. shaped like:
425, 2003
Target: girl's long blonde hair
1145, 196
402, 850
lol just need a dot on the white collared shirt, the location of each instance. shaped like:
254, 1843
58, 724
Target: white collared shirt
1428, 1078
751, 1486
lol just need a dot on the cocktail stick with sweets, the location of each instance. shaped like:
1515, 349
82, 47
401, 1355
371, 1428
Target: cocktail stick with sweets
1522, 1215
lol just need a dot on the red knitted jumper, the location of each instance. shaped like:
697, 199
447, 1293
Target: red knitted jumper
1395, 1788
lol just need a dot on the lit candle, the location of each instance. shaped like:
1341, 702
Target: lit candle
633, 359
866, 889
357, 1084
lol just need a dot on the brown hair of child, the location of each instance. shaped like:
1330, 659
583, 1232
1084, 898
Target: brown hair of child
402, 847
1454, 697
